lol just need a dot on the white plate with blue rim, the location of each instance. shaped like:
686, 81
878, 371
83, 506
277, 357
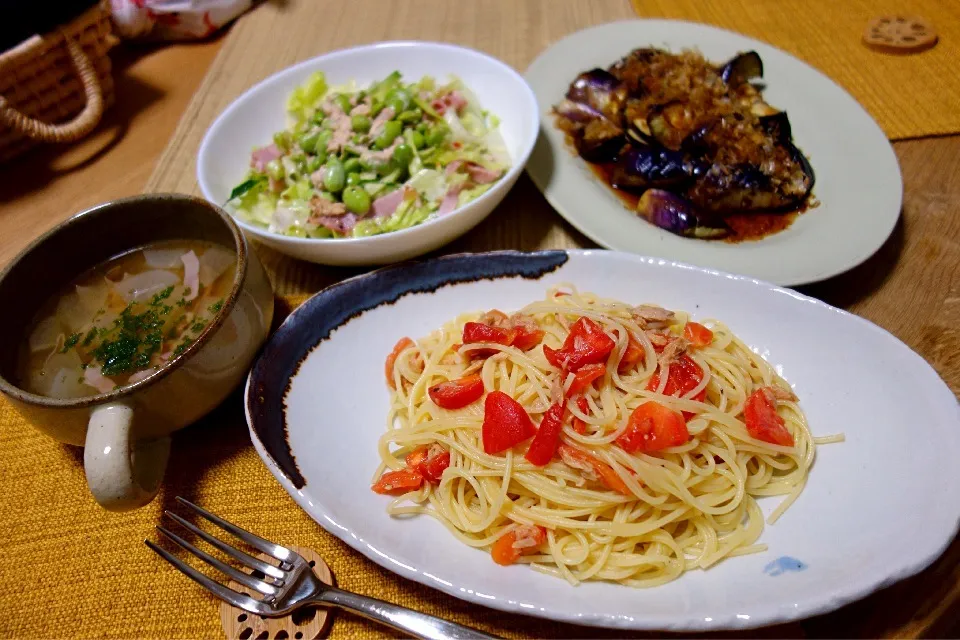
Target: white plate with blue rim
317, 403
858, 182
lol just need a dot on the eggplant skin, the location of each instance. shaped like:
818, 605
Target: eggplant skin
602, 91
600, 141
643, 167
677, 215
742, 68
744, 189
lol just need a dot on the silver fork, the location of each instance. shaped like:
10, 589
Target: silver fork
292, 584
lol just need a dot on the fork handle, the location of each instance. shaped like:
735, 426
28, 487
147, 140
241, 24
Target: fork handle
418, 625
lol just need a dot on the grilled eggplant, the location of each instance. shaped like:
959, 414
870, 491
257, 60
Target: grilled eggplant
675, 125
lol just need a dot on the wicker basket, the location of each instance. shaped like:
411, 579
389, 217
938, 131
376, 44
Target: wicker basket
54, 88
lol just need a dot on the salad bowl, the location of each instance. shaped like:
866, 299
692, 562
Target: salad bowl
225, 163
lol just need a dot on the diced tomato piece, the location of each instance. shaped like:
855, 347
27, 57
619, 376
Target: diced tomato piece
653, 427
553, 356
398, 482
432, 469
685, 375
523, 540
429, 461
456, 394
587, 343
402, 344
505, 423
632, 356
583, 378
579, 425
603, 471
417, 457
545, 443
527, 338
479, 332
763, 421
697, 334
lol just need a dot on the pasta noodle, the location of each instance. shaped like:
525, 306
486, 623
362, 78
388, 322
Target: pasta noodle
665, 511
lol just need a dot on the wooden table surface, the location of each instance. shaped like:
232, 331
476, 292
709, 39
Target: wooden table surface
911, 287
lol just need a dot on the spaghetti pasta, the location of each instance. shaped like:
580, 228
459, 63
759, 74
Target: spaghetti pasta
666, 432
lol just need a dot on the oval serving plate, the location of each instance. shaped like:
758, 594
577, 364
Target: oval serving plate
858, 182
317, 402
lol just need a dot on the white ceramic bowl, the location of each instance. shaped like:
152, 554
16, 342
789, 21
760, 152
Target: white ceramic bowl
253, 118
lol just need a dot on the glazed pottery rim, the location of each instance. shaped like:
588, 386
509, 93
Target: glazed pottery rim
240, 247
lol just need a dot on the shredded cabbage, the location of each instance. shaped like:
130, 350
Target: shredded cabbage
303, 101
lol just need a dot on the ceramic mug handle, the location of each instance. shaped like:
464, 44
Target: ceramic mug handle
122, 473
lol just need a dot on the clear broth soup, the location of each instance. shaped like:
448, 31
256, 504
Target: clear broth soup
123, 320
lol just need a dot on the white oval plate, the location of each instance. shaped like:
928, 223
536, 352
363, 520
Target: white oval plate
317, 403
858, 180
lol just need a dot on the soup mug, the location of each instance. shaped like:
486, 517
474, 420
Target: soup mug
126, 432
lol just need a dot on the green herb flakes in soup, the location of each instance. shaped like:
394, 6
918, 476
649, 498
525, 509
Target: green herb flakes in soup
123, 320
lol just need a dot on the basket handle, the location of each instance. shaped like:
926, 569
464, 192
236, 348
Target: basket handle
76, 128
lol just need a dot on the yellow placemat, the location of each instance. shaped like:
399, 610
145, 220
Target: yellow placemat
910, 96
71, 569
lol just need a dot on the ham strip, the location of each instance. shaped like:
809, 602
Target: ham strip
262, 156
449, 202
478, 173
386, 206
93, 377
481, 175
341, 224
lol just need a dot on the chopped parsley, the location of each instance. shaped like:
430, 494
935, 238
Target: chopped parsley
70, 342
216, 306
182, 346
132, 341
198, 325
90, 337
161, 296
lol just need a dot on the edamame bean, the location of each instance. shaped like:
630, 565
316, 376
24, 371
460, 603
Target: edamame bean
308, 141
418, 140
343, 101
356, 200
282, 139
410, 116
391, 129
402, 155
435, 135
354, 179
399, 99
314, 163
275, 170
360, 124
422, 127
352, 165
334, 177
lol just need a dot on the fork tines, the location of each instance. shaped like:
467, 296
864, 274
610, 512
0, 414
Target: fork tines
243, 601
